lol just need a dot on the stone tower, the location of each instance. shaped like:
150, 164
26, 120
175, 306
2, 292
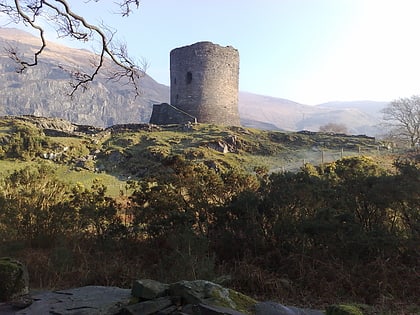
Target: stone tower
204, 86
204, 82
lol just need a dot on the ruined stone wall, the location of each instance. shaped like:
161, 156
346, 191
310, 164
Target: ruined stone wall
165, 114
204, 82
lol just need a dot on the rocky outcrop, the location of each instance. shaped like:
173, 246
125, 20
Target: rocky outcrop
148, 297
201, 297
188, 297
225, 145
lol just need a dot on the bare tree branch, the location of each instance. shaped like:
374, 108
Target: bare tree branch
125, 6
27, 20
69, 24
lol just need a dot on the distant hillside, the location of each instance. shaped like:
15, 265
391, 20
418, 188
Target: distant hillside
360, 117
42, 91
372, 108
280, 113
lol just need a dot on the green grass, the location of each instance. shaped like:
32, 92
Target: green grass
64, 173
8, 166
86, 178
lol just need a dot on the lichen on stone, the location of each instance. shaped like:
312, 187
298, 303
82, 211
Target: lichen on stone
343, 309
229, 298
243, 302
209, 293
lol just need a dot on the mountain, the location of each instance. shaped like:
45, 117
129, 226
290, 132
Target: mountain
43, 91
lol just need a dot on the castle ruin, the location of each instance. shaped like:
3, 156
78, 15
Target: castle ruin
204, 86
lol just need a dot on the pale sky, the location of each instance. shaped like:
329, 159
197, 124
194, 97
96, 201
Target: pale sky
308, 51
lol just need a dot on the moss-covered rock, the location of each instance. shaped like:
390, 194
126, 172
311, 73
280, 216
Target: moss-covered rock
209, 293
343, 309
220, 296
14, 279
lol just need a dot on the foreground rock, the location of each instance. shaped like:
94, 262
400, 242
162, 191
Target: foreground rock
201, 297
148, 297
89, 300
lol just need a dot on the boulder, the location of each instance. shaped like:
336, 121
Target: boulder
220, 146
14, 279
191, 292
208, 293
148, 289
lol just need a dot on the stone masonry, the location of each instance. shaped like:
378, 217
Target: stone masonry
204, 86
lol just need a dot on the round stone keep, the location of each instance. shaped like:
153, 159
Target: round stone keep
205, 82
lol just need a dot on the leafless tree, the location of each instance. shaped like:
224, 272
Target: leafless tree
403, 116
333, 127
68, 24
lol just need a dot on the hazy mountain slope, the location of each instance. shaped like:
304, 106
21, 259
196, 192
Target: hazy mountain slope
356, 121
362, 118
282, 113
370, 107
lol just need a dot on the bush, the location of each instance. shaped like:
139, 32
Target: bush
32, 205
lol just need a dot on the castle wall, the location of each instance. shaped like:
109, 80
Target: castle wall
165, 114
204, 82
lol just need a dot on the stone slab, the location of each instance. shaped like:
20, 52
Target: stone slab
89, 300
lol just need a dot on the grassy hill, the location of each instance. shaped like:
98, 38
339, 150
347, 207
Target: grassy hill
132, 151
